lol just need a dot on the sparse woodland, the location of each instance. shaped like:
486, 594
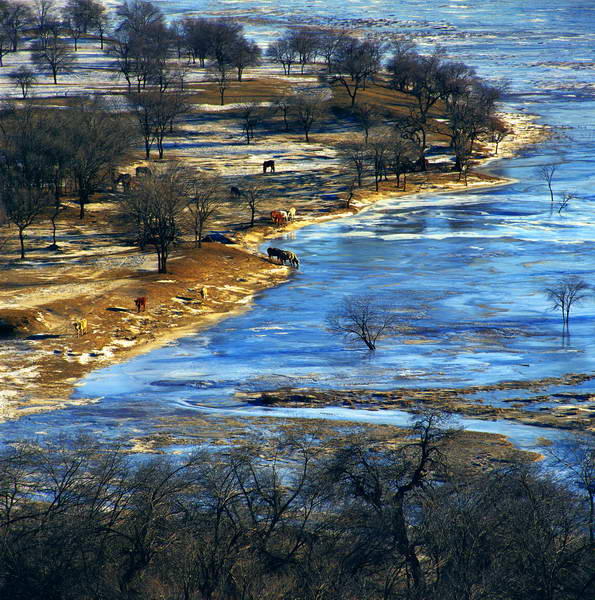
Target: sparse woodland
388, 91
292, 516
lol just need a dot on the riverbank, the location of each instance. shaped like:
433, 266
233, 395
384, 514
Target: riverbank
98, 279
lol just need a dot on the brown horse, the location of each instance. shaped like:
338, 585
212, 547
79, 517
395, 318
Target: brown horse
268, 164
140, 303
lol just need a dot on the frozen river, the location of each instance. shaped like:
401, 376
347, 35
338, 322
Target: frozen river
465, 272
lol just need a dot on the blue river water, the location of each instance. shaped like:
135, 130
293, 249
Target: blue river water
465, 272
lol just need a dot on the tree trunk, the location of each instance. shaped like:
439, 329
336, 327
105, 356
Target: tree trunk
22, 242
55, 73
83, 199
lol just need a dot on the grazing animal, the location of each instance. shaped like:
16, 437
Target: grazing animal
141, 303
125, 180
291, 258
268, 164
291, 214
80, 327
279, 217
143, 171
275, 253
204, 293
235, 191
284, 256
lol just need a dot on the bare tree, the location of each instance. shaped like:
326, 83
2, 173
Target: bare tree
328, 44
546, 173
497, 132
362, 318
204, 200
18, 16
73, 27
305, 43
84, 14
250, 115
377, 151
156, 112
155, 206
367, 116
354, 63
309, 107
5, 42
570, 290
22, 206
401, 157
283, 104
45, 12
101, 25
467, 121
254, 192
24, 79
97, 139
283, 51
354, 155
242, 54
53, 53
350, 192
565, 199
219, 72
575, 454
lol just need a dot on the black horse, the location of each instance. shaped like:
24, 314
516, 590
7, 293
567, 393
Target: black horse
268, 164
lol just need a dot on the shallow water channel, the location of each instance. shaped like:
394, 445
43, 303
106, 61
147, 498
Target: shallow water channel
466, 272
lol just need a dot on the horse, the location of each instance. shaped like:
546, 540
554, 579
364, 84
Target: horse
291, 258
275, 253
125, 179
80, 327
291, 214
268, 164
235, 192
284, 256
279, 217
141, 303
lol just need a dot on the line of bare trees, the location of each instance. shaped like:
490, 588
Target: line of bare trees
293, 516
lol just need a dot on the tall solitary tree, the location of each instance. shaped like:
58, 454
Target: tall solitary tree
362, 318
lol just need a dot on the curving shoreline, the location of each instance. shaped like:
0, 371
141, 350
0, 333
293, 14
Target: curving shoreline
62, 362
